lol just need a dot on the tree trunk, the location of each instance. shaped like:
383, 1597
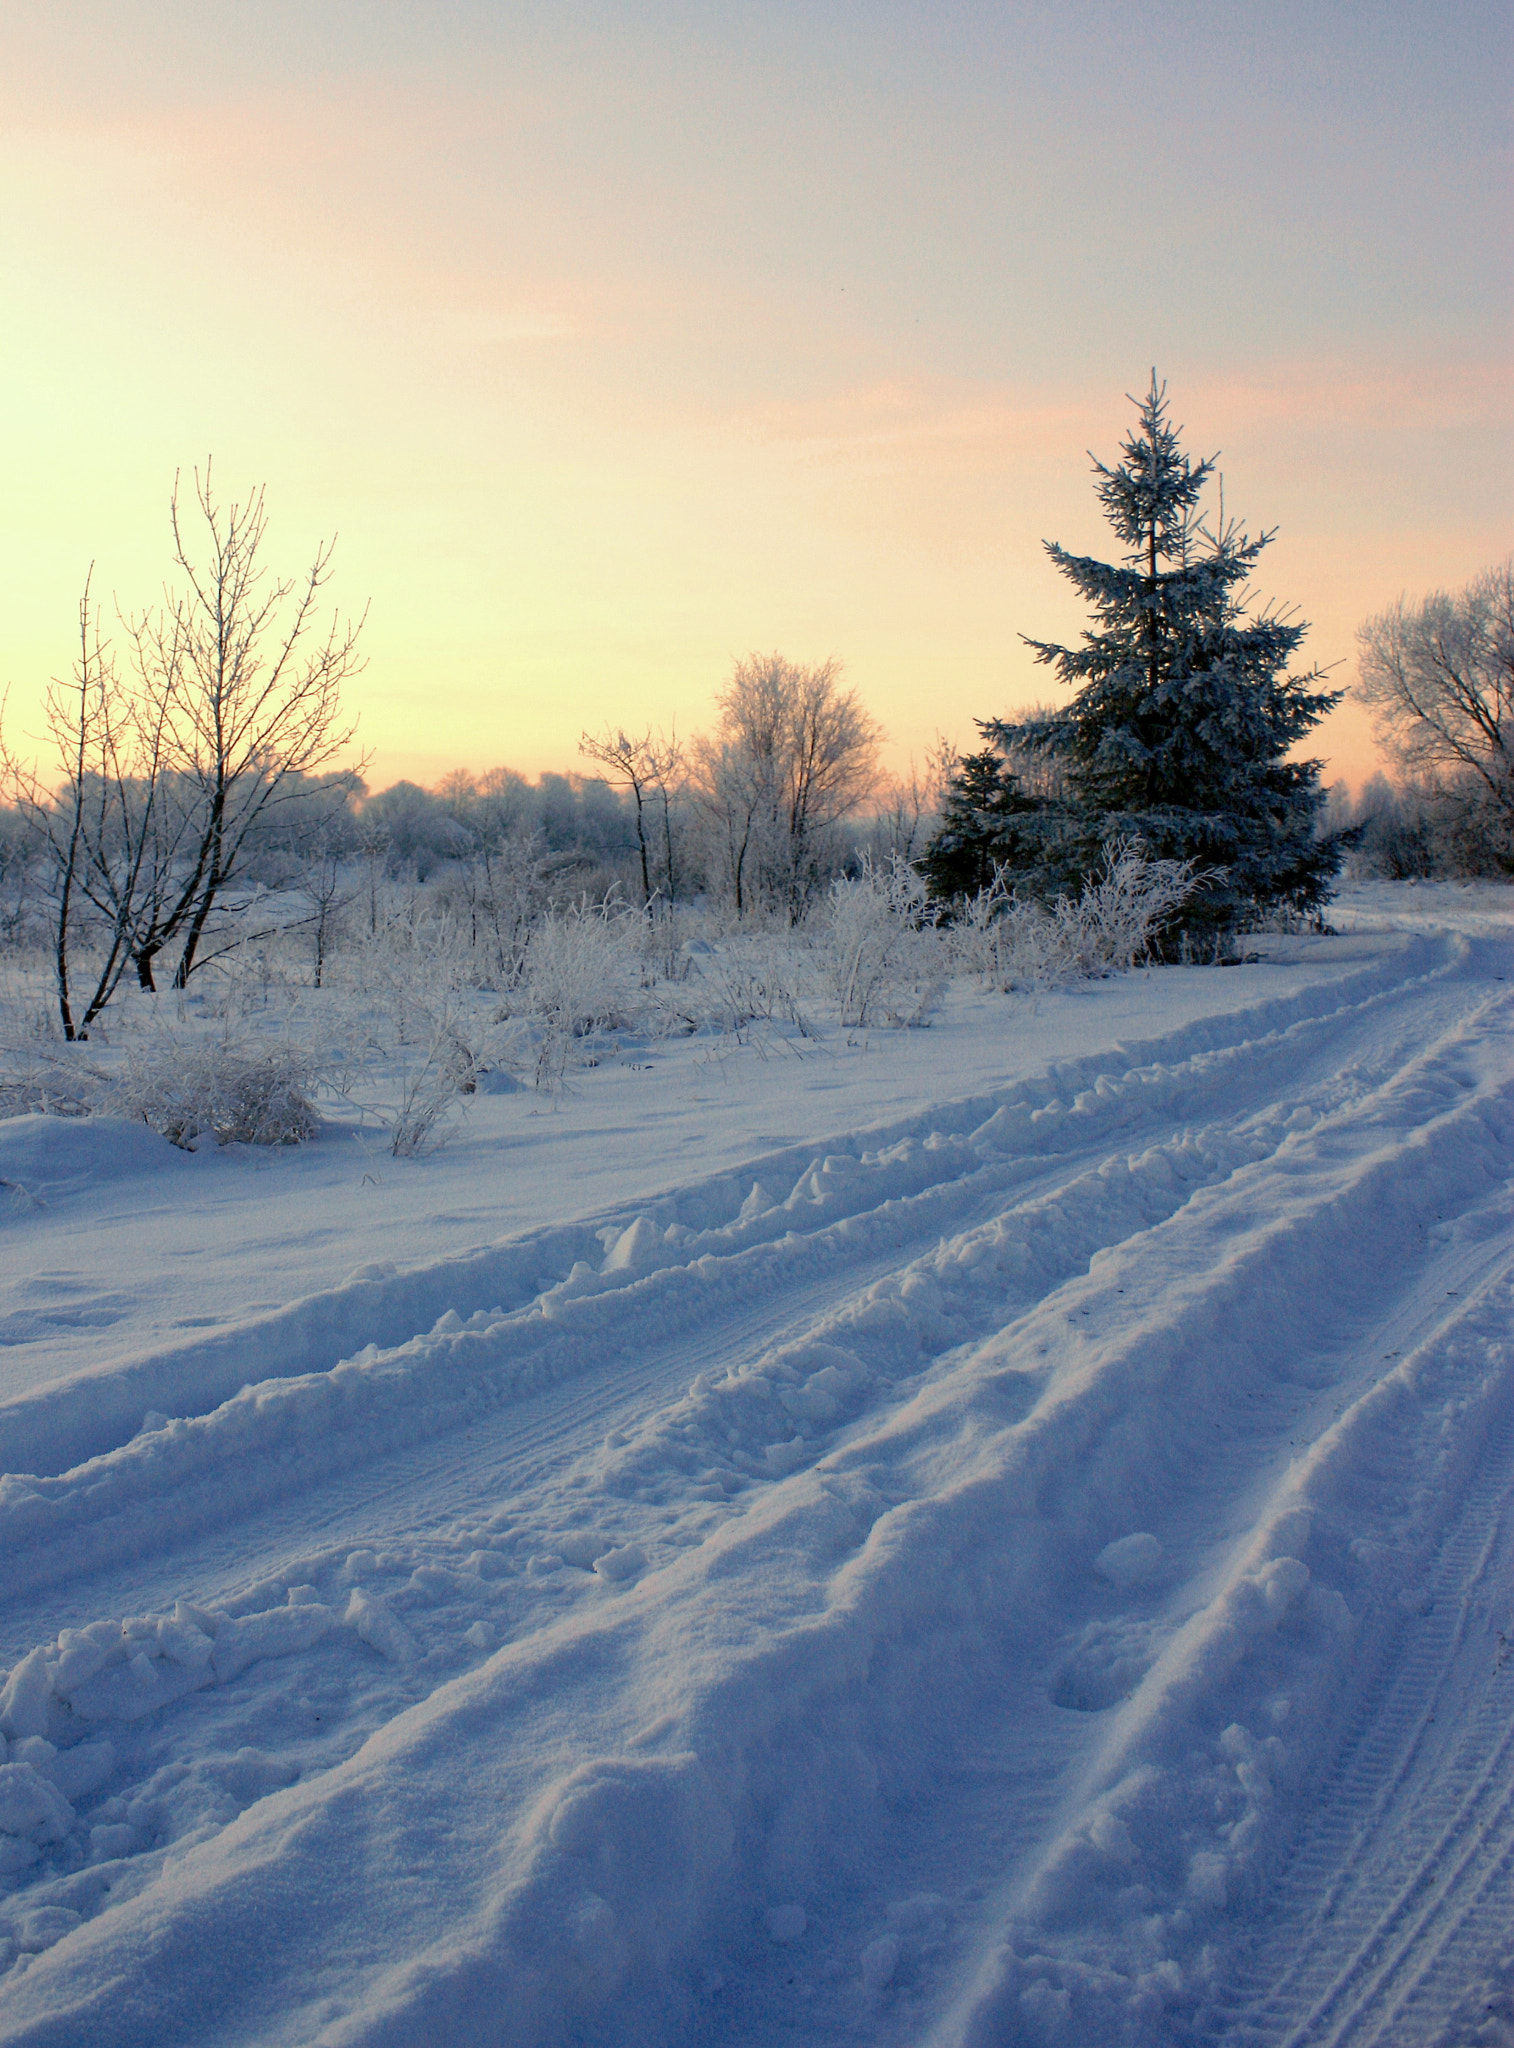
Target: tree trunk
641, 847
65, 1008
667, 847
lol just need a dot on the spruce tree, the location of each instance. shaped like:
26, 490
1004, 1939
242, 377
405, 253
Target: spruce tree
987, 822
1179, 733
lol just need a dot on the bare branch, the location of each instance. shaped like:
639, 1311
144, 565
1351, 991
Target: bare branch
1439, 678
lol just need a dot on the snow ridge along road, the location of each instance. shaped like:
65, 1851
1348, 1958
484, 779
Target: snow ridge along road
1036, 1573
59, 1426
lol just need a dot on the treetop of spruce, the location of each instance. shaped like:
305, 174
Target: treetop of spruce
1183, 716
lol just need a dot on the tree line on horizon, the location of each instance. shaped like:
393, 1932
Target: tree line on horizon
193, 779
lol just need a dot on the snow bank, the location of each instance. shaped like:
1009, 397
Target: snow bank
42, 1153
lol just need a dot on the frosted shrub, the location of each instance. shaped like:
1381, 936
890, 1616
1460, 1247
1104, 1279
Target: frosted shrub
414, 958
495, 897
1010, 943
49, 1080
1007, 943
1121, 910
883, 956
669, 938
410, 1089
423, 1113
581, 975
754, 978
237, 1094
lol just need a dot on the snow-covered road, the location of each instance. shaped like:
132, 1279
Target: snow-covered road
1037, 1569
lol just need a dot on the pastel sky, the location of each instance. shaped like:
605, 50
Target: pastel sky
616, 341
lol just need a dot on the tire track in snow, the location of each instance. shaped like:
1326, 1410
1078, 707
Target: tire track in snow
525, 1450
1399, 1869
46, 1692
1142, 1805
281, 1435
1174, 1190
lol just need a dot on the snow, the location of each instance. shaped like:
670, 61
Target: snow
998, 1534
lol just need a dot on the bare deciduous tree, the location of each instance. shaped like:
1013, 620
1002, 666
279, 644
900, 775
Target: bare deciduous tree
648, 767
323, 890
251, 683
167, 780
99, 827
1439, 676
909, 806
794, 754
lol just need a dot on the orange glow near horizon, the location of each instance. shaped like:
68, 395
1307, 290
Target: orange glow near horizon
599, 393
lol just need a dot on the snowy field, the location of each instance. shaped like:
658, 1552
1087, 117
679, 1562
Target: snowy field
989, 1535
